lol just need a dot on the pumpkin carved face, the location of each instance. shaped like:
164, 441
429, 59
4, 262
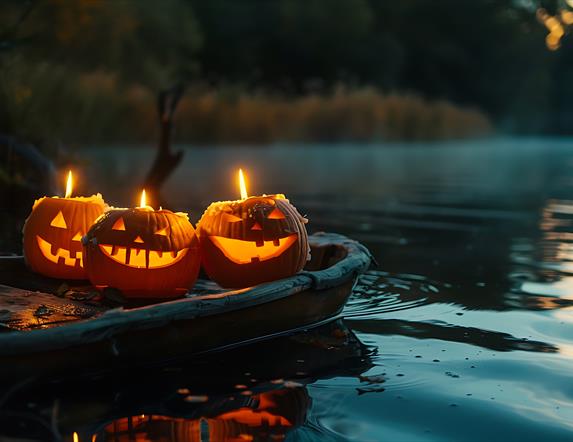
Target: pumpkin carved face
53, 232
143, 253
255, 240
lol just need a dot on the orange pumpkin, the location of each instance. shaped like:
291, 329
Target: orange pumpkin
142, 252
247, 242
53, 232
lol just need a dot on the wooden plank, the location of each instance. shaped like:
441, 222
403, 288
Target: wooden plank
28, 310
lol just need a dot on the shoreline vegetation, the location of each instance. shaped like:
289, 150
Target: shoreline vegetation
81, 71
355, 115
50, 104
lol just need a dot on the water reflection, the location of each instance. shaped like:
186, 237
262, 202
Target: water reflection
253, 393
452, 333
264, 416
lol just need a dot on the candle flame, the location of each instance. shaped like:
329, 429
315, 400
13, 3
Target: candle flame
143, 201
69, 185
76, 437
242, 185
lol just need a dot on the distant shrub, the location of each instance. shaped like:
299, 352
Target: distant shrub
363, 115
50, 102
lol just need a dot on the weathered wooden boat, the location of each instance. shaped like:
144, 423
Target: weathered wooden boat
47, 327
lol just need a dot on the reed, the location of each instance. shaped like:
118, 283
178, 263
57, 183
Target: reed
49, 102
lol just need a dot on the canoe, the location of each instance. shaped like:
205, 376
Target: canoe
45, 331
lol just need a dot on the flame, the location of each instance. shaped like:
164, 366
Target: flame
69, 185
242, 185
143, 200
76, 437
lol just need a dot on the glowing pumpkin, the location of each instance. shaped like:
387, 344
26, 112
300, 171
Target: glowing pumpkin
53, 232
254, 240
142, 252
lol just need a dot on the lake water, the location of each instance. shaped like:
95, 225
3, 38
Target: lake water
463, 332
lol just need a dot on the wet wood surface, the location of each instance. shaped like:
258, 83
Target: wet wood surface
27, 310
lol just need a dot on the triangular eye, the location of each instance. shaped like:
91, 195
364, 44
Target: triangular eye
163, 232
230, 218
59, 221
276, 214
119, 224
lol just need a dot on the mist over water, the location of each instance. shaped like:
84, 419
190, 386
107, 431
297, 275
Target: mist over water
464, 331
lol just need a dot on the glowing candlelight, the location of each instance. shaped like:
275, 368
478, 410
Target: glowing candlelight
142, 252
69, 185
143, 200
255, 239
54, 229
242, 185
76, 437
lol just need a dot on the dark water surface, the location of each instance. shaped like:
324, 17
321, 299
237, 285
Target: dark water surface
463, 332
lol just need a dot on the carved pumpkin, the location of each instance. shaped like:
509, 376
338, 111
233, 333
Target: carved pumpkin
258, 239
142, 252
53, 232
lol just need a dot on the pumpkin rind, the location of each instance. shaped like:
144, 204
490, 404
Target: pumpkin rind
63, 255
249, 221
140, 239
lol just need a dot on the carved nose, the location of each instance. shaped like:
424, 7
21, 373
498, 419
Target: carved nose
256, 226
138, 239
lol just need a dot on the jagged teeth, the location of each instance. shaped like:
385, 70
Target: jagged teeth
58, 255
135, 258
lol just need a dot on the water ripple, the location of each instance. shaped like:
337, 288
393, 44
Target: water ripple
378, 292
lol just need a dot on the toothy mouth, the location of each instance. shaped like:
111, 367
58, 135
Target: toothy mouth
58, 255
142, 258
245, 252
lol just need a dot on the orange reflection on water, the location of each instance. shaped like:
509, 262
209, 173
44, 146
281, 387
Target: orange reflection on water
263, 416
554, 26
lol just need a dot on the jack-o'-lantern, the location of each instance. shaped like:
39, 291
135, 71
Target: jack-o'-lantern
53, 231
142, 252
253, 240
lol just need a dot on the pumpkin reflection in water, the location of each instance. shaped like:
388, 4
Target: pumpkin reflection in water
265, 416
142, 252
53, 231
